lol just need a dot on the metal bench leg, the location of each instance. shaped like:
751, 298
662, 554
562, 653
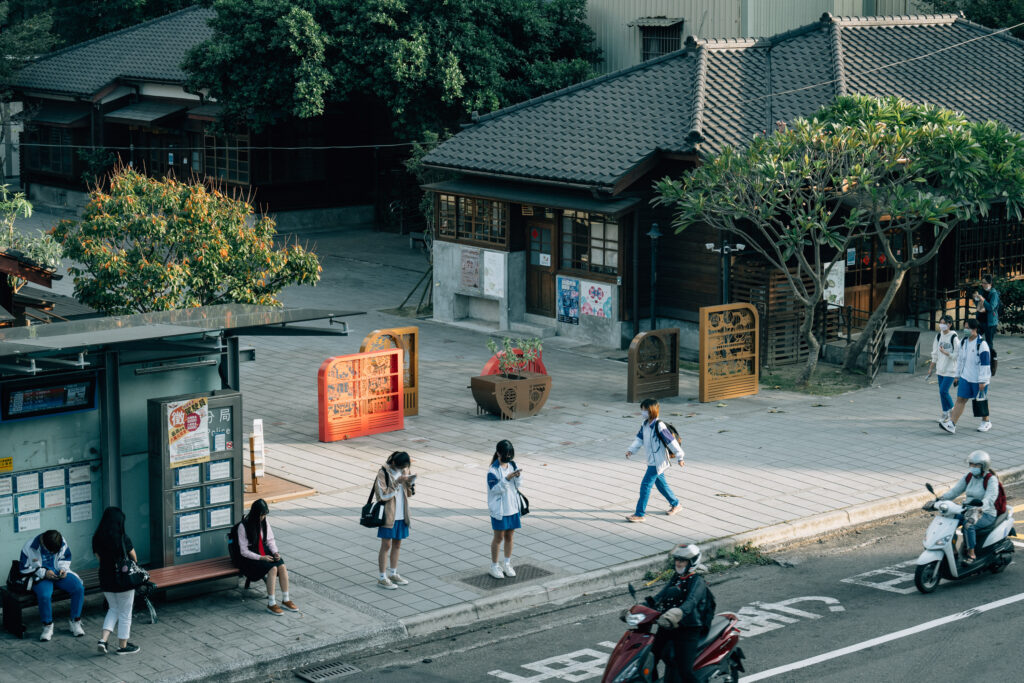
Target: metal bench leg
152, 610
12, 620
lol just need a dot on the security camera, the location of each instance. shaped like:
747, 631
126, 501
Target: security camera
710, 246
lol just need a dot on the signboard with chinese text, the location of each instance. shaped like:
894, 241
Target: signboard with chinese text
188, 432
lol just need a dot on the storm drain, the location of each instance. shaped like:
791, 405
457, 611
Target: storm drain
524, 573
327, 673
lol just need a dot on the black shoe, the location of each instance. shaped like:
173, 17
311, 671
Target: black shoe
128, 649
101, 647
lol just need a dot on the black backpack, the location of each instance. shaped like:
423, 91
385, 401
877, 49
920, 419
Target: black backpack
675, 435
234, 551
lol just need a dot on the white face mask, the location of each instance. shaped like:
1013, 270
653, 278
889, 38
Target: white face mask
646, 415
943, 327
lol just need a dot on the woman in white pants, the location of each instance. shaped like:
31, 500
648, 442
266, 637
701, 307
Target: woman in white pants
110, 543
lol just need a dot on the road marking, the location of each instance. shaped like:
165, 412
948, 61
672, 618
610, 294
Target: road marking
892, 584
895, 635
581, 665
1018, 544
759, 617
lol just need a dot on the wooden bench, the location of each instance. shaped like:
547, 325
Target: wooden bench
14, 603
193, 572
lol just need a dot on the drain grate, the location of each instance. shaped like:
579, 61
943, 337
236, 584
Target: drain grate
524, 572
327, 673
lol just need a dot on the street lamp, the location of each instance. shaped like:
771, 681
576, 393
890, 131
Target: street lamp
724, 250
654, 234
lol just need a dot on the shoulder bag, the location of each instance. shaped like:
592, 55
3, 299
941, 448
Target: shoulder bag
18, 582
524, 502
128, 575
372, 515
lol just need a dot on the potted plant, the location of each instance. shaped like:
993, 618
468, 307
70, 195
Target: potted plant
514, 391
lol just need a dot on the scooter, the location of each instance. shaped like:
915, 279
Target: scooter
633, 660
941, 558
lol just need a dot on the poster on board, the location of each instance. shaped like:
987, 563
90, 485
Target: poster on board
471, 268
188, 432
567, 301
597, 300
494, 274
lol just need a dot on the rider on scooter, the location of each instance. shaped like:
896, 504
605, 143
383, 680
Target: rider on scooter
977, 490
688, 608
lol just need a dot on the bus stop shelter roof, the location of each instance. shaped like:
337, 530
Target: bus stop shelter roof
80, 335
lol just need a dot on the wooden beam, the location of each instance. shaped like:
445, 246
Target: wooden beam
32, 273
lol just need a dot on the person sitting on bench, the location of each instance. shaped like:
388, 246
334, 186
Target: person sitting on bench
48, 558
260, 558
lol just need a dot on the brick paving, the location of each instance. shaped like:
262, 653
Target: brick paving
752, 462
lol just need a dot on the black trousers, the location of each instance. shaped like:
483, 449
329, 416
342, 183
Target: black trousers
678, 650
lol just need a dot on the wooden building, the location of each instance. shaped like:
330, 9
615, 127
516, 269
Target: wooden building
544, 225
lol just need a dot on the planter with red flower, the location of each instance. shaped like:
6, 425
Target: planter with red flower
514, 391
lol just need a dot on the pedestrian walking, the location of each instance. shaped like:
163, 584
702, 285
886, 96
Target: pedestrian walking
945, 354
661, 446
47, 559
260, 558
987, 302
503, 479
393, 487
973, 376
111, 543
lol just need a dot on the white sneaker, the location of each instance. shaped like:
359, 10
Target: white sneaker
948, 426
47, 633
76, 628
386, 584
985, 426
507, 568
496, 571
398, 580
943, 417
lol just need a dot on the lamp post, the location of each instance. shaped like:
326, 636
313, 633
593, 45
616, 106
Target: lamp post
654, 234
724, 249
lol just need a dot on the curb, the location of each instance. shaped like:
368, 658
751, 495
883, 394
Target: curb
567, 588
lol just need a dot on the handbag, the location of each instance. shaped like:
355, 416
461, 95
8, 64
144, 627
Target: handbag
524, 504
18, 582
128, 575
373, 514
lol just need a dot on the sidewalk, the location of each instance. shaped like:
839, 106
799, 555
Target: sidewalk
756, 463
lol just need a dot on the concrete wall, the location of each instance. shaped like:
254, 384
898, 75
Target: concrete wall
500, 297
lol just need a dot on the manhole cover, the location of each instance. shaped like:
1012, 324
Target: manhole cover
524, 572
327, 673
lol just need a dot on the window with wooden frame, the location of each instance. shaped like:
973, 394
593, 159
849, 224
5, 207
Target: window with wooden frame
48, 149
590, 243
472, 220
227, 158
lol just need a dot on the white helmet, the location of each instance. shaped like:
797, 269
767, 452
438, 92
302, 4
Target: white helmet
688, 552
979, 458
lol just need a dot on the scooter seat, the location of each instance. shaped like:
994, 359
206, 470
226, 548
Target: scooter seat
985, 529
718, 624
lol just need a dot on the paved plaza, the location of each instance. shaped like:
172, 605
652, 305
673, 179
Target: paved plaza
754, 463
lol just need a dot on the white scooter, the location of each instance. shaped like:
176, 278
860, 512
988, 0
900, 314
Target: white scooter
940, 559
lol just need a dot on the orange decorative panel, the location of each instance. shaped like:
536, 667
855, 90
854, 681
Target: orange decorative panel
360, 394
407, 339
728, 351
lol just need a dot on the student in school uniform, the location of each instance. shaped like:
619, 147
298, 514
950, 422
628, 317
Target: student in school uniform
945, 355
503, 479
661, 446
394, 487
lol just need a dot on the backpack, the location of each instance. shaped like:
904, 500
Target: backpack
1000, 499
234, 551
993, 363
675, 435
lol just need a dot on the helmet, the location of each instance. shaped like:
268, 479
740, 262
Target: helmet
980, 458
688, 552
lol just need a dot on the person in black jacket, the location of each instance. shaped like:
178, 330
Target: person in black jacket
110, 543
688, 608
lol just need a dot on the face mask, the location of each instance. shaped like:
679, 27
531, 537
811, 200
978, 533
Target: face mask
944, 327
505, 459
646, 415
976, 471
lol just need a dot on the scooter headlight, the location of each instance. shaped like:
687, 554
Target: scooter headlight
943, 507
628, 672
946, 539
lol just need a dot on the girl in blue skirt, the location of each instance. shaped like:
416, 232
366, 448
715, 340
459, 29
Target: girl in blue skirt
394, 487
503, 503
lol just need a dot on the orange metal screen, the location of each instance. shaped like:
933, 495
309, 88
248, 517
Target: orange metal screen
407, 339
728, 351
360, 394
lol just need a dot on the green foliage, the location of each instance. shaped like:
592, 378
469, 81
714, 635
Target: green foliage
427, 63
423, 175
41, 249
1011, 305
74, 21
21, 38
98, 161
515, 354
150, 245
738, 556
991, 13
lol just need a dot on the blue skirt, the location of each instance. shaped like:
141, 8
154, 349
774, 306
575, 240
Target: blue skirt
506, 523
399, 531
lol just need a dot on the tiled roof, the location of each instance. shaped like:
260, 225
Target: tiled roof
153, 50
721, 92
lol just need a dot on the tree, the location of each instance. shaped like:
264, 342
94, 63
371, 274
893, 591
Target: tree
991, 13
882, 169
147, 244
40, 249
74, 21
427, 63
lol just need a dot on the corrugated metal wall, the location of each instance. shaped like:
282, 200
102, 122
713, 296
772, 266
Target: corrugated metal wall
620, 42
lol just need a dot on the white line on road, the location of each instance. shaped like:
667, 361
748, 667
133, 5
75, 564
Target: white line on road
1018, 544
896, 635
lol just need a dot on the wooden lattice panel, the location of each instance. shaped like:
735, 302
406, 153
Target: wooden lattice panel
653, 365
407, 339
360, 394
728, 351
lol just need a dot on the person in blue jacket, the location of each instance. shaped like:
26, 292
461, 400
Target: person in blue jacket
661, 447
47, 558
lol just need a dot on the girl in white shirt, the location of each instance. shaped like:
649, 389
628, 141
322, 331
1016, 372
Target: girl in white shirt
503, 504
394, 487
945, 352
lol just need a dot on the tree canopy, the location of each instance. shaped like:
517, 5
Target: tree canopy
882, 169
429, 63
145, 244
991, 13
74, 21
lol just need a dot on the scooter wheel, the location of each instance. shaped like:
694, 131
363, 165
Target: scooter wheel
926, 577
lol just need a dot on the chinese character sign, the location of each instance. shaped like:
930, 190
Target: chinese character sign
568, 300
188, 432
360, 394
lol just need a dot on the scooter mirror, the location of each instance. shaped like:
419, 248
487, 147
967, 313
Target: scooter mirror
930, 489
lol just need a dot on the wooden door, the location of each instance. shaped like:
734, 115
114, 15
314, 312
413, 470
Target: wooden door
540, 267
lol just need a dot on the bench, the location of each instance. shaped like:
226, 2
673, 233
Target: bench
163, 578
903, 347
14, 603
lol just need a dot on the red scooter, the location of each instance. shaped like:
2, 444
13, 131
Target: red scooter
633, 661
